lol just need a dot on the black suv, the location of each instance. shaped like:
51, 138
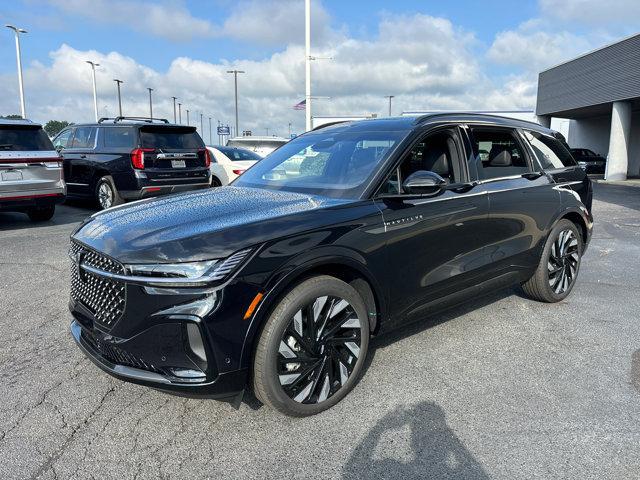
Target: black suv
279, 279
129, 158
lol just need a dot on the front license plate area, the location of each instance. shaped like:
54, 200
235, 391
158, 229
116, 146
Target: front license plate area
178, 164
11, 176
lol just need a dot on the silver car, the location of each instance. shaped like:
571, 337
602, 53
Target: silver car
263, 146
31, 179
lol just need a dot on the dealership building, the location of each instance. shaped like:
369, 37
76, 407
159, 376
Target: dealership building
599, 93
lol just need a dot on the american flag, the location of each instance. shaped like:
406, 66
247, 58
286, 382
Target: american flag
300, 106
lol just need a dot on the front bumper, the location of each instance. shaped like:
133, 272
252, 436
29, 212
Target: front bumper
224, 386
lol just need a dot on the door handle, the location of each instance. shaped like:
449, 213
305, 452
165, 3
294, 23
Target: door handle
532, 175
82, 155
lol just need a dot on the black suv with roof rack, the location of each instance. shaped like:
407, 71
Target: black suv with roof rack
129, 158
277, 281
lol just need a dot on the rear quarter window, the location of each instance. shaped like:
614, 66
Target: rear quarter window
551, 153
170, 139
119, 137
21, 138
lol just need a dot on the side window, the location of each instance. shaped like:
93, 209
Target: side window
498, 153
550, 151
84, 137
118, 137
62, 140
436, 153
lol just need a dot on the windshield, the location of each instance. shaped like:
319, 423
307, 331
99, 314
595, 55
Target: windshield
334, 164
18, 137
239, 153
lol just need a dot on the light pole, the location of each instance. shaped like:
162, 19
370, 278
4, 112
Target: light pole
118, 82
201, 129
210, 142
389, 97
267, 131
179, 113
235, 78
17, 32
174, 109
95, 93
150, 103
188, 117
289, 129
307, 62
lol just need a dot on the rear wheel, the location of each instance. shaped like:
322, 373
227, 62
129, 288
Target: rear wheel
215, 182
559, 265
106, 194
41, 214
313, 347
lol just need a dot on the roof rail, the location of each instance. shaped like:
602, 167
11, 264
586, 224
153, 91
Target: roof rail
138, 119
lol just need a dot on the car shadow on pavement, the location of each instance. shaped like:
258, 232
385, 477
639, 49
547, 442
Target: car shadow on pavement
71, 211
412, 442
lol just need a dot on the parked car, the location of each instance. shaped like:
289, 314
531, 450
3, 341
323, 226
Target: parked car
263, 146
279, 281
589, 160
129, 158
227, 163
30, 170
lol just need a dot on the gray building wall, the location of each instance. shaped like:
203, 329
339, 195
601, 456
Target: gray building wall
609, 74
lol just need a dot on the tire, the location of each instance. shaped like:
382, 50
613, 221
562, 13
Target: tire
338, 353
559, 264
41, 214
215, 182
106, 194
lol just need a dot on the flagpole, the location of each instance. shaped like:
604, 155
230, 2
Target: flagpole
307, 64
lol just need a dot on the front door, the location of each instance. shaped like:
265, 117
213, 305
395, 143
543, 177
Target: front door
434, 243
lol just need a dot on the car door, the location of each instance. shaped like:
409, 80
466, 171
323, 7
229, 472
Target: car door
79, 154
522, 199
434, 243
61, 142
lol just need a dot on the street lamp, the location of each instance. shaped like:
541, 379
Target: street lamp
235, 78
118, 82
150, 103
201, 129
210, 142
179, 113
17, 32
188, 117
389, 97
174, 109
95, 93
307, 62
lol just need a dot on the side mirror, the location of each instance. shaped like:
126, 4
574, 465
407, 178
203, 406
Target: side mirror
424, 182
59, 148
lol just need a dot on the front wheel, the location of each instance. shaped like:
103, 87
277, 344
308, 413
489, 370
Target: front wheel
559, 265
313, 347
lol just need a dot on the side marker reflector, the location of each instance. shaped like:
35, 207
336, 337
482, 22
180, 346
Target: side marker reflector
252, 307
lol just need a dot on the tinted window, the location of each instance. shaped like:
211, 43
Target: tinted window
338, 164
13, 137
498, 154
170, 138
62, 140
255, 143
84, 137
239, 153
118, 137
550, 151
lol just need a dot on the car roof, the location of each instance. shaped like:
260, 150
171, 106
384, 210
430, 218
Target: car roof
260, 138
18, 121
413, 122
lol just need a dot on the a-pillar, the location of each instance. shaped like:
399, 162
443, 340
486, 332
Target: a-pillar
618, 158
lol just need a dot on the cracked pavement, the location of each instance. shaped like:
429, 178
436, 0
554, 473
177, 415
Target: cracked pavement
502, 387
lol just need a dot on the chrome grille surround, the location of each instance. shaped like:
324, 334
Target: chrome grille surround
105, 298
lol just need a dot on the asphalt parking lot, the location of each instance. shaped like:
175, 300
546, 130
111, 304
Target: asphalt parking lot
503, 387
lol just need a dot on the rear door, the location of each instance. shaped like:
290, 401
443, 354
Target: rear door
79, 163
522, 200
174, 154
28, 162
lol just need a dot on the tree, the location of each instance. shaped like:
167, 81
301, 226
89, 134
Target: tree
53, 127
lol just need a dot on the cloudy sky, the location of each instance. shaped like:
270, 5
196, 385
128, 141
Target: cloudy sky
429, 54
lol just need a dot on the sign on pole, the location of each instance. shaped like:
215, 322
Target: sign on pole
223, 130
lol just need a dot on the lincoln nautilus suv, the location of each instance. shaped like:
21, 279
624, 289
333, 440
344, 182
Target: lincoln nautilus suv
276, 283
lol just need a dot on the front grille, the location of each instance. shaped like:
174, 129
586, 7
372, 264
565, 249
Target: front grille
105, 298
115, 354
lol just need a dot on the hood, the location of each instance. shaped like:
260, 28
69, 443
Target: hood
199, 225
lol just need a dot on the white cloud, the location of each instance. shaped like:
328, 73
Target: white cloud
593, 12
171, 20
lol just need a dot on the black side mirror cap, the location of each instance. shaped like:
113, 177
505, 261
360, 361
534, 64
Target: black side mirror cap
424, 182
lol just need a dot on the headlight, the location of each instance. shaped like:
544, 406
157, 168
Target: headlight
187, 273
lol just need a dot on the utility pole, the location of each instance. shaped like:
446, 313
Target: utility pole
235, 78
188, 117
179, 114
174, 109
17, 32
389, 97
150, 103
210, 142
95, 94
307, 62
118, 82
